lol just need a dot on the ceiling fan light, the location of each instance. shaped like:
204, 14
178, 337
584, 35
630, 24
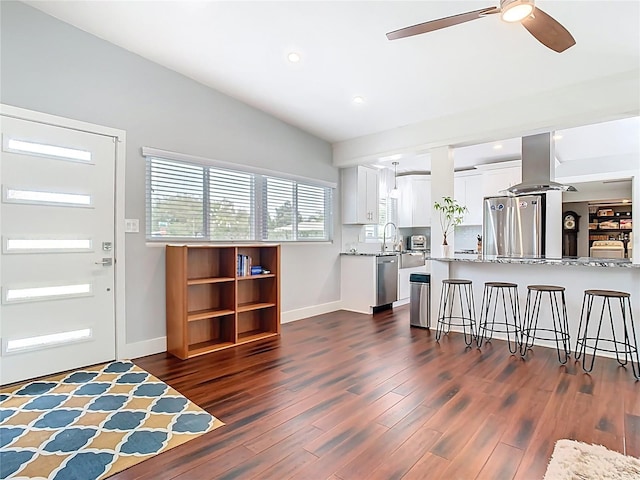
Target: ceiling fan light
516, 10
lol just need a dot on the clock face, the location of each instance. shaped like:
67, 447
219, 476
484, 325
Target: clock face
569, 222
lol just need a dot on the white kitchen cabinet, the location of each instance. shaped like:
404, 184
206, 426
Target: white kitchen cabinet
414, 204
498, 179
359, 195
468, 191
421, 202
405, 202
358, 282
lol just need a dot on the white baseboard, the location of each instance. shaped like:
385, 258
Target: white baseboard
300, 313
144, 348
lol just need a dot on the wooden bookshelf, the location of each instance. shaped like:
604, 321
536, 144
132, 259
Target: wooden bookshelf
211, 305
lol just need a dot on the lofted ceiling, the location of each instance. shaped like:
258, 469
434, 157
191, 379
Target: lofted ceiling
240, 48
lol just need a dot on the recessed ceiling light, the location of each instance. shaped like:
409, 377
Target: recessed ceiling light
293, 57
497, 146
358, 100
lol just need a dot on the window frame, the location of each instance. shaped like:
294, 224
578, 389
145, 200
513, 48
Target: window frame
259, 212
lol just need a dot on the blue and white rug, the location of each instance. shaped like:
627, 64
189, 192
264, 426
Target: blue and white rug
92, 423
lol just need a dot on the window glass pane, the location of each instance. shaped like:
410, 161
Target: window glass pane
22, 245
176, 196
280, 209
231, 213
49, 150
311, 213
43, 341
46, 293
13, 195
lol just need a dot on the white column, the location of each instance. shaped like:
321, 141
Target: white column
553, 227
441, 186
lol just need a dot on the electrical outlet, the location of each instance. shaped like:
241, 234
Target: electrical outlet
131, 225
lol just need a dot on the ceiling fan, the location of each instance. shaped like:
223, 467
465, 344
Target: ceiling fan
542, 26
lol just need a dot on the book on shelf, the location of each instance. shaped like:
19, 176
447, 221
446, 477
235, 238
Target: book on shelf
244, 265
256, 270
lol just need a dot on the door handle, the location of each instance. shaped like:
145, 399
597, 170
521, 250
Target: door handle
106, 262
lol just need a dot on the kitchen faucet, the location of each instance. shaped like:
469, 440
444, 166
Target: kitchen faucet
384, 235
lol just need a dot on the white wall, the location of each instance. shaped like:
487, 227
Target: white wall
52, 67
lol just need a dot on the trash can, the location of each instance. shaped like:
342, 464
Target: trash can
420, 300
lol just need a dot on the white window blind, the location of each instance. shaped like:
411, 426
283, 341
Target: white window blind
194, 201
175, 199
280, 205
312, 210
231, 205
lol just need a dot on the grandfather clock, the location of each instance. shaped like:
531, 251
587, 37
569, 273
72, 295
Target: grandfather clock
570, 221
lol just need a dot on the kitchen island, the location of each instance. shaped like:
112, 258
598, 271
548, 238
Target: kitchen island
575, 274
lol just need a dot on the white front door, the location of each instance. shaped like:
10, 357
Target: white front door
56, 272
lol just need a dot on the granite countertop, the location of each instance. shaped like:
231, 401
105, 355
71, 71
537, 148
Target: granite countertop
371, 254
570, 261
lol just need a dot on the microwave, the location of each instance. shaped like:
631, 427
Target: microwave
417, 242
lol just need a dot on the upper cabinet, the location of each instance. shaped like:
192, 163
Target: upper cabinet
414, 204
468, 191
496, 178
359, 187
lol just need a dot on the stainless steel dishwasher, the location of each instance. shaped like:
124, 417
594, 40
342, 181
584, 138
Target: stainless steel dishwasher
387, 279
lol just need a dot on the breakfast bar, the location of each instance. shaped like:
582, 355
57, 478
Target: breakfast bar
575, 274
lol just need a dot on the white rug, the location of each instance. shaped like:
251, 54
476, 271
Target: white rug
573, 460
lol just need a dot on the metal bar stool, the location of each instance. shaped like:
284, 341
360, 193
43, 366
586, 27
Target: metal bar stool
487, 326
464, 290
627, 346
530, 330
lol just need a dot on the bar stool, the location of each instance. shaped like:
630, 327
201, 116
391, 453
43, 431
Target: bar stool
511, 324
530, 330
464, 290
629, 344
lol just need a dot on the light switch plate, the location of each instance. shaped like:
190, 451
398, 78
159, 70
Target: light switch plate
131, 225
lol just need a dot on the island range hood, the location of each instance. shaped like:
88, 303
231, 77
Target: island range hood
537, 155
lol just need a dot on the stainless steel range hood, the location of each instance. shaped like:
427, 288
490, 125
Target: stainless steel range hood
537, 155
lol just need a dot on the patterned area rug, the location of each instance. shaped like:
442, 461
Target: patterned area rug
573, 460
92, 423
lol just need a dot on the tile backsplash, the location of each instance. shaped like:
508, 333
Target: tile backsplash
466, 237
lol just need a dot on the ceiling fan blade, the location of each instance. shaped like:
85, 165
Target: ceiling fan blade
548, 31
441, 23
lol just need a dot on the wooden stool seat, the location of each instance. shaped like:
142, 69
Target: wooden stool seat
546, 288
607, 293
500, 284
456, 281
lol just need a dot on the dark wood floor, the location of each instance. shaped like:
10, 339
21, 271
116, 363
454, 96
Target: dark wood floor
347, 396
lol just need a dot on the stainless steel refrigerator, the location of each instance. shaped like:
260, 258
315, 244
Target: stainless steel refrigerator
514, 226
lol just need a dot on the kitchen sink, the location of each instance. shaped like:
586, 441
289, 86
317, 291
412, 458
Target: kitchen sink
412, 259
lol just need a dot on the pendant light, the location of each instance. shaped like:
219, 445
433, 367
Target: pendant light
395, 193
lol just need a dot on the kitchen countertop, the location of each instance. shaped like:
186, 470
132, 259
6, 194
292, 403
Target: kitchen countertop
370, 254
384, 254
565, 261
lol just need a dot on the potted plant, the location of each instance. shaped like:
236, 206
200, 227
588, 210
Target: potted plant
451, 214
